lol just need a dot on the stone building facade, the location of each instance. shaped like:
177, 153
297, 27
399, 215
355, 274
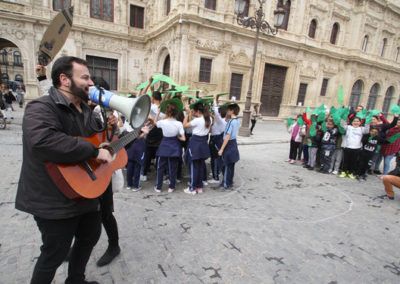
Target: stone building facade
327, 43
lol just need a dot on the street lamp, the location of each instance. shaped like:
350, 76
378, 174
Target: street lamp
257, 22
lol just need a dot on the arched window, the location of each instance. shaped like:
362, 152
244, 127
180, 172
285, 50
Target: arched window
356, 92
373, 95
17, 58
285, 5
312, 29
387, 100
384, 44
365, 43
166, 66
334, 33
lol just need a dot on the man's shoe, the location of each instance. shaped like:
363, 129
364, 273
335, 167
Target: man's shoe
213, 181
306, 166
136, 189
310, 168
108, 256
377, 172
157, 190
351, 176
391, 197
343, 175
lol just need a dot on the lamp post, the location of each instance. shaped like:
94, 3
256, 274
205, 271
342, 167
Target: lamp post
257, 22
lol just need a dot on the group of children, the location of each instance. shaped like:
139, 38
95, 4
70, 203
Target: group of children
348, 143
182, 136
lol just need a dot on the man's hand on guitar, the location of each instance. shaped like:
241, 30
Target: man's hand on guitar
104, 156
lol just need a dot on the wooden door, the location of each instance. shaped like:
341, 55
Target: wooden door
272, 89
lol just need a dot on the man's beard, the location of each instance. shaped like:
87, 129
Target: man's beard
79, 92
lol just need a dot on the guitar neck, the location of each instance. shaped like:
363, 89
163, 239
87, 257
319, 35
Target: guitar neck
124, 140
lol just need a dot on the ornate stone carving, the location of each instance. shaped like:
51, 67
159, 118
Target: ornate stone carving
209, 45
14, 29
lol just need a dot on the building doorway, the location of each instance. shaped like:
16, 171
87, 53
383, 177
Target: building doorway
11, 65
272, 89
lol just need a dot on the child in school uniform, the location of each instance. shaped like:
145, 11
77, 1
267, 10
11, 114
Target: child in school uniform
328, 145
135, 151
352, 141
216, 140
370, 144
229, 149
198, 150
170, 149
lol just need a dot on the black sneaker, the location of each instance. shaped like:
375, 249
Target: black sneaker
109, 255
310, 168
377, 172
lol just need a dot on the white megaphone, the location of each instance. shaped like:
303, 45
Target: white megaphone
136, 110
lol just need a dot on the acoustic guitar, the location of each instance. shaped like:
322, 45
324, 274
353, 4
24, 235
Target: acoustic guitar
90, 179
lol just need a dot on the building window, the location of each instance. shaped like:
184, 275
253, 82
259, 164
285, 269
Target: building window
373, 95
236, 86
384, 44
102, 9
210, 4
397, 54
105, 68
4, 57
334, 33
356, 92
137, 17
17, 58
59, 5
312, 29
167, 6
285, 5
324, 87
365, 43
205, 70
302, 94
387, 100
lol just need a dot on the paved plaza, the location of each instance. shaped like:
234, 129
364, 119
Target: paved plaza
281, 224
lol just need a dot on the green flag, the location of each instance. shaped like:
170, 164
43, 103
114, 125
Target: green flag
395, 109
289, 121
300, 121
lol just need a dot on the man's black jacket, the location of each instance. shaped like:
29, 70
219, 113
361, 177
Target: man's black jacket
51, 126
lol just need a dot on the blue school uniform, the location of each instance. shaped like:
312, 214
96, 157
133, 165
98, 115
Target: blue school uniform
168, 155
169, 152
230, 156
135, 162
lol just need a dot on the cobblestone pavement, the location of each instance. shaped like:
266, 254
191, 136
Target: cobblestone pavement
281, 224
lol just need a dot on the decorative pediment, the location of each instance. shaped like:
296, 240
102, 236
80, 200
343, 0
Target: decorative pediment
240, 58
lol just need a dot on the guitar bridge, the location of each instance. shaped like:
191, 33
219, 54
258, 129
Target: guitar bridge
89, 170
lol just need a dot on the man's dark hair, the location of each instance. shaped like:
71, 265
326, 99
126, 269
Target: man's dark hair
156, 95
63, 65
